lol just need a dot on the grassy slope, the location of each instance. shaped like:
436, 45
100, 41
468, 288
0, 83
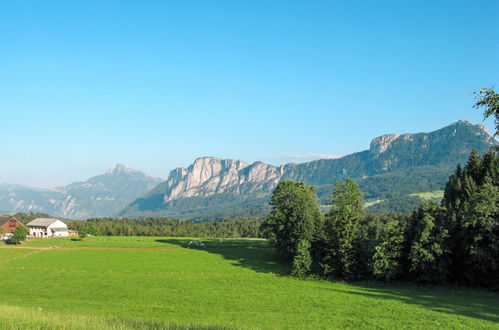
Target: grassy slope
219, 286
436, 194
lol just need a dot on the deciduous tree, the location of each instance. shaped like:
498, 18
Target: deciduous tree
295, 216
19, 234
488, 100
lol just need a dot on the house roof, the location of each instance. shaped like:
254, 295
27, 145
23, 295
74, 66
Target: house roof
59, 229
5, 218
42, 222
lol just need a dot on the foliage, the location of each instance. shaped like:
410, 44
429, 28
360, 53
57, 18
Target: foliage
2, 230
427, 240
236, 228
456, 241
19, 234
295, 216
387, 262
24, 217
488, 99
345, 232
89, 230
302, 261
472, 202
82, 233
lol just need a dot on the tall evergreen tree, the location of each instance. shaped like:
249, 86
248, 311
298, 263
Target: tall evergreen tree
345, 255
481, 243
471, 200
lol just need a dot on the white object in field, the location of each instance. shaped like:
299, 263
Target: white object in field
198, 244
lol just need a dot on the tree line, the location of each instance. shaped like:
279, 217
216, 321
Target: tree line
456, 241
230, 228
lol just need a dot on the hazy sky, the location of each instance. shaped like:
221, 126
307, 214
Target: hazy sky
155, 84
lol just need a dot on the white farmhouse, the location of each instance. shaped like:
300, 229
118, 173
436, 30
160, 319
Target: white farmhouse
47, 227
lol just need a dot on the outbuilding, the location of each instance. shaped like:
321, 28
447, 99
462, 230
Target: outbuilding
47, 227
9, 224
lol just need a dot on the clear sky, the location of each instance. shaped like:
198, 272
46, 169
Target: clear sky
155, 84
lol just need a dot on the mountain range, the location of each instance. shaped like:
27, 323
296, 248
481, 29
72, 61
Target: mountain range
103, 195
395, 165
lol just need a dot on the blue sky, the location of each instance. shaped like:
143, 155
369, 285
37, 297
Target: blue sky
155, 84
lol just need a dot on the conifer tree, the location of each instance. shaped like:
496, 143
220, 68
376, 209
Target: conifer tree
344, 226
302, 262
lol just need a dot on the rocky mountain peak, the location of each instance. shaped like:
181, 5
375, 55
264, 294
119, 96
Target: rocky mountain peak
121, 169
209, 175
382, 143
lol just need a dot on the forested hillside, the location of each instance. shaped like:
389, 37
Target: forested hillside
395, 166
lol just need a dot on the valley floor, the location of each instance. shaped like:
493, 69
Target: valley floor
152, 282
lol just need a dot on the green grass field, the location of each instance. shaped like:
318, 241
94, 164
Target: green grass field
150, 282
437, 194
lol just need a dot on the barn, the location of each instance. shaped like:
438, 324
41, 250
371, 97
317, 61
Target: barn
9, 223
47, 227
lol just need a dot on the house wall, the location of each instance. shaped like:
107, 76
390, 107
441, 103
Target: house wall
47, 232
58, 224
38, 232
11, 225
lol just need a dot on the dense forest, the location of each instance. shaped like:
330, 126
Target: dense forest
234, 228
456, 241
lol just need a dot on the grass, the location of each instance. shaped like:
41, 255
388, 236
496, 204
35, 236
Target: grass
436, 194
137, 242
231, 284
371, 203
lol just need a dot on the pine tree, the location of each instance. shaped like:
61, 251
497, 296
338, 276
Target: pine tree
302, 262
471, 201
481, 243
344, 226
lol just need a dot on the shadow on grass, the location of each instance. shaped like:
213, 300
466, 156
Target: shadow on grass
252, 254
258, 256
450, 300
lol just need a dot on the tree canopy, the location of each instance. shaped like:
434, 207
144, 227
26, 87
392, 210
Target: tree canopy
488, 100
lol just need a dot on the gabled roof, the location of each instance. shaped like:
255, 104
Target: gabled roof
5, 218
59, 229
42, 222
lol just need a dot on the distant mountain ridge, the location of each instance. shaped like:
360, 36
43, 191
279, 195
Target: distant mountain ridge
393, 164
102, 195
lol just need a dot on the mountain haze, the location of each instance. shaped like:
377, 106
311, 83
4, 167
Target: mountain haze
394, 164
103, 195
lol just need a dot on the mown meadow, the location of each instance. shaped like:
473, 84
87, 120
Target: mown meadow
152, 282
